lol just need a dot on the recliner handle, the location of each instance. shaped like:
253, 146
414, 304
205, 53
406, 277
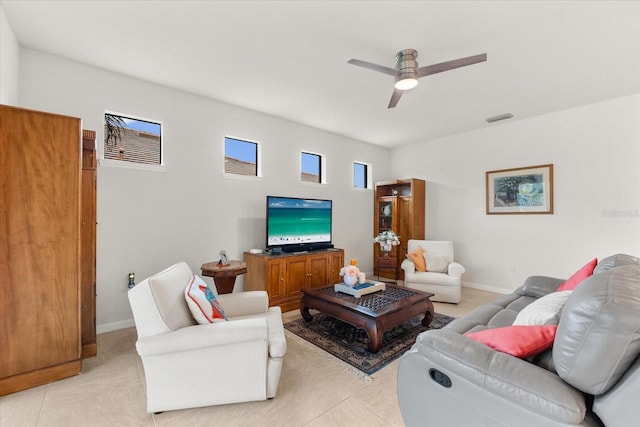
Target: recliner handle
440, 377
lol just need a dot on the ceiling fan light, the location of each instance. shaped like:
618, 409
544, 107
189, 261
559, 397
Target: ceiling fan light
407, 83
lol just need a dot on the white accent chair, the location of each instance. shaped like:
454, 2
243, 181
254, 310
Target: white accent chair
445, 286
187, 365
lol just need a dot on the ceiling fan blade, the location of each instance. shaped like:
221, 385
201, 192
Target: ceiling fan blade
375, 67
450, 65
395, 97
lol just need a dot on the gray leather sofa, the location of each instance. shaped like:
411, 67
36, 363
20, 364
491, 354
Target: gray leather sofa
590, 377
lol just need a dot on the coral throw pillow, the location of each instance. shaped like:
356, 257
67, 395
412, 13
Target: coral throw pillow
572, 282
202, 302
519, 341
417, 257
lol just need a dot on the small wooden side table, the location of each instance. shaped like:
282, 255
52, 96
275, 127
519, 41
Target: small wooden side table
224, 276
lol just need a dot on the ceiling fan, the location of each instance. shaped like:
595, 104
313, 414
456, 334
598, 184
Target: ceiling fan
407, 72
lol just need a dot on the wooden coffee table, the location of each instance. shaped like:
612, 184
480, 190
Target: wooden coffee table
376, 313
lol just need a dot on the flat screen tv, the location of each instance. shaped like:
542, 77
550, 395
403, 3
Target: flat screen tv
295, 224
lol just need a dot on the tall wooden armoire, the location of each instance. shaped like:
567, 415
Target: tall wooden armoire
40, 247
399, 206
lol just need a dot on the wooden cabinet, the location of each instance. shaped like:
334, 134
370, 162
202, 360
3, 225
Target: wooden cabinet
40, 248
285, 276
399, 206
337, 262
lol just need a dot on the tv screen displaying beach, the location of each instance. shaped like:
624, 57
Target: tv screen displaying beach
295, 221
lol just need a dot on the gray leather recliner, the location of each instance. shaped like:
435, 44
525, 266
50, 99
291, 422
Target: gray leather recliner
591, 376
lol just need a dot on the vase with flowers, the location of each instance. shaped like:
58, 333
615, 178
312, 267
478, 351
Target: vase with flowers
387, 240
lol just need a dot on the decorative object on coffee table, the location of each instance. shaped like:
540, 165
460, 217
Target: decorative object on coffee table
365, 288
349, 344
351, 275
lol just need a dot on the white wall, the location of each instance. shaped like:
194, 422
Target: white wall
9, 62
150, 220
595, 150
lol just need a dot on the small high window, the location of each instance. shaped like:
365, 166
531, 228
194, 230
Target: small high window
361, 176
241, 157
311, 167
132, 139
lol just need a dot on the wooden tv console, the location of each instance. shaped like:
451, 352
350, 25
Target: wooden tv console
285, 276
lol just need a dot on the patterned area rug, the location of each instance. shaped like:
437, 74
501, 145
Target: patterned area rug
349, 344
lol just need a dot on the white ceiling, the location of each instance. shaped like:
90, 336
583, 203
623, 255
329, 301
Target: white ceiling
289, 58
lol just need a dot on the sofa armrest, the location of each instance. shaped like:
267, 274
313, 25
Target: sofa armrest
538, 286
408, 266
204, 336
620, 404
455, 269
508, 377
244, 303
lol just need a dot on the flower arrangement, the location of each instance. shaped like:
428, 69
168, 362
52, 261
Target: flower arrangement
387, 239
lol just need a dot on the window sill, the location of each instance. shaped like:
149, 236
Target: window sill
313, 184
242, 177
131, 165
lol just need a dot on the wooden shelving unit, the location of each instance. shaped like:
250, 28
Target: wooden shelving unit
399, 206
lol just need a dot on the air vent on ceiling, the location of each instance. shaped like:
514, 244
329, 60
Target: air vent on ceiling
499, 117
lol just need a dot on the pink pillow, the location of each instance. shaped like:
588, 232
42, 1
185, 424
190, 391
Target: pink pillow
519, 341
572, 282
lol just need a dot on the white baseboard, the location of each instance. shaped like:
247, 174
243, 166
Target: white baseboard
486, 288
114, 326
467, 284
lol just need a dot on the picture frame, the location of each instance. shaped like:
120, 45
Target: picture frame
224, 260
525, 190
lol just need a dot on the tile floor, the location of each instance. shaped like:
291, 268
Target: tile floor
315, 390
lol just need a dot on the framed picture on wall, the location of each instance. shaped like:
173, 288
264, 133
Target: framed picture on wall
527, 190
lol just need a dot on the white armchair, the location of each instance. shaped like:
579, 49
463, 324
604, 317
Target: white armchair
445, 285
187, 365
